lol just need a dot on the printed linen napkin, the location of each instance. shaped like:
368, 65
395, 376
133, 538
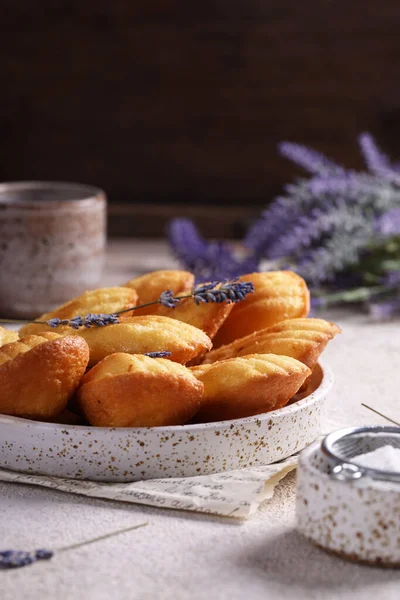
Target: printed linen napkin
235, 494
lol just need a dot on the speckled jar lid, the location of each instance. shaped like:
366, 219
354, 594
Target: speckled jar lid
348, 512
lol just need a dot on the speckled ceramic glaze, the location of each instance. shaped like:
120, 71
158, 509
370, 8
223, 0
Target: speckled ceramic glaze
52, 241
126, 454
359, 519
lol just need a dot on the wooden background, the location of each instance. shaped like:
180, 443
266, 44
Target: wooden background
176, 107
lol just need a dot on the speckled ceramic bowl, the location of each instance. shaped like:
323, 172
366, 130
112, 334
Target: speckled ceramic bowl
126, 454
357, 519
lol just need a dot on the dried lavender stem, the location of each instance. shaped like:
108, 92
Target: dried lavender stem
100, 537
380, 414
226, 291
120, 312
19, 321
125, 310
354, 295
14, 559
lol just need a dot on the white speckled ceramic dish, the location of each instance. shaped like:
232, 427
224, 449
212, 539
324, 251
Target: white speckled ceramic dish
127, 454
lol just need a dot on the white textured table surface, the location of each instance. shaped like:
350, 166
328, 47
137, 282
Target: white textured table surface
179, 556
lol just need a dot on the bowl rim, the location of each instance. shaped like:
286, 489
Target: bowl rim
306, 468
82, 193
321, 391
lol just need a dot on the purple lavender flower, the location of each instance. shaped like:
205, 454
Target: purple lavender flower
309, 227
77, 322
269, 226
385, 310
324, 224
100, 320
185, 240
349, 184
316, 302
227, 291
392, 279
374, 158
279, 218
43, 554
89, 320
376, 161
207, 260
324, 227
310, 160
219, 263
168, 300
56, 322
13, 559
162, 354
388, 224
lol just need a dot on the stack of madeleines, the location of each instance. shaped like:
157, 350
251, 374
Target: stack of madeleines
226, 361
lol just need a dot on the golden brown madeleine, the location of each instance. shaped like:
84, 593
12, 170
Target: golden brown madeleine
248, 385
7, 336
152, 333
206, 316
150, 286
67, 417
20, 346
310, 385
125, 390
103, 300
278, 295
38, 374
303, 339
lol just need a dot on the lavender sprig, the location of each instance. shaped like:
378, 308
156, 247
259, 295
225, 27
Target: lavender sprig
308, 159
374, 158
13, 559
215, 291
325, 225
376, 161
161, 354
388, 224
392, 279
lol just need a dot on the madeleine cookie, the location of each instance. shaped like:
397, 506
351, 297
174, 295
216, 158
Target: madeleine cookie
125, 390
7, 336
303, 339
248, 385
103, 300
150, 286
20, 346
208, 317
137, 335
39, 373
278, 295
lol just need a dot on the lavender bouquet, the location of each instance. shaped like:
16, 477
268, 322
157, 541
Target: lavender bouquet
338, 228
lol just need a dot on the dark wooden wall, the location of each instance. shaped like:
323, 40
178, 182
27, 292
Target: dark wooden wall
182, 103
